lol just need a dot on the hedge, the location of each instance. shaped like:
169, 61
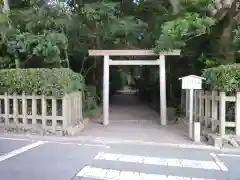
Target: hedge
223, 78
55, 82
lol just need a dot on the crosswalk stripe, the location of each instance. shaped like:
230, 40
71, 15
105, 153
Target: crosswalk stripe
185, 163
219, 162
20, 150
110, 174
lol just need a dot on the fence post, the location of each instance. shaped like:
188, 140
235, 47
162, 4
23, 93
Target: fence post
24, 108
1, 107
15, 109
237, 113
74, 107
79, 111
44, 111
6, 108
214, 110
34, 109
222, 113
195, 108
54, 113
78, 106
81, 105
182, 101
190, 127
201, 111
187, 102
65, 110
70, 107
207, 108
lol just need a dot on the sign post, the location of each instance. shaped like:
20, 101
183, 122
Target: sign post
191, 83
190, 127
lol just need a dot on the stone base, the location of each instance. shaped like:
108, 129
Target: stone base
75, 130
217, 141
232, 141
51, 131
197, 132
213, 139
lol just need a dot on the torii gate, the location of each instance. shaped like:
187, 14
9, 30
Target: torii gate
108, 62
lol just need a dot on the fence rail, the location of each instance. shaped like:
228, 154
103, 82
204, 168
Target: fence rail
47, 112
213, 110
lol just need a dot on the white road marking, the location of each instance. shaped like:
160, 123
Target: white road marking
15, 139
20, 150
57, 142
95, 145
211, 165
229, 155
219, 162
78, 144
63, 143
110, 174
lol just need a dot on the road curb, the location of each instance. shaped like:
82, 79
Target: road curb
139, 142
174, 145
116, 141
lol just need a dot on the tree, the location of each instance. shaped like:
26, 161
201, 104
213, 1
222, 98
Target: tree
228, 16
34, 33
215, 19
185, 25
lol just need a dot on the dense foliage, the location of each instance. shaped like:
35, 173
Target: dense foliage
223, 78
56, 82
176, 33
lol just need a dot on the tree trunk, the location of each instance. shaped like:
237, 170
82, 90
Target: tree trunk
6, 6
65, 48
98, 71
66, 57
17, 62
175, 5
226, 37
225, 43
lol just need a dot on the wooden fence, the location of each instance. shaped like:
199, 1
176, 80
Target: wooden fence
45, 111
215, 110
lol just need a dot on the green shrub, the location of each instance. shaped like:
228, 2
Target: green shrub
55, 82
89, 100
223, 78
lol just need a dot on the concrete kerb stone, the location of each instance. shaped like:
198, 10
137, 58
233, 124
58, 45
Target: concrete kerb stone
139, 142
75, 130
217, 141
232, 141
110, 141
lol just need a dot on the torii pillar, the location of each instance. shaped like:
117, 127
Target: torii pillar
162, 75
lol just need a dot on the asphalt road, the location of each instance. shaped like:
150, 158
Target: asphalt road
23, 159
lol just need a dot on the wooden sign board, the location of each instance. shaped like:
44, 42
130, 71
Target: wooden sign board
192, 82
